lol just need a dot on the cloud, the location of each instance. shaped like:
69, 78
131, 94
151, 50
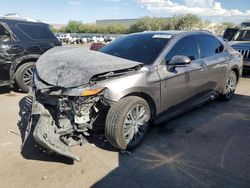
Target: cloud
76, 3
116, 1
114, 10
199, 3
205, 8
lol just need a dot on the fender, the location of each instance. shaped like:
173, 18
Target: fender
239, 74
138, 91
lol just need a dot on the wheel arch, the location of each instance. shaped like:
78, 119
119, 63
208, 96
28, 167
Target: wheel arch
148, 99
20, 61
237, 71
25, 61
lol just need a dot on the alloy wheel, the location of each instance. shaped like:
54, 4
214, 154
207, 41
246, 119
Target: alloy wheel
27, 76
136, 124
230, 84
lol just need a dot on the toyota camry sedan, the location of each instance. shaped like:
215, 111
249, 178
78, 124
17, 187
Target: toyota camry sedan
134, 81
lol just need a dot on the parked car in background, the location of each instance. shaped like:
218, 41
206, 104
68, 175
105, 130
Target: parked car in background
137, 79
241, 43
22, 42
64, 37
229, 34
82, 38
96, 46
74, 38
245, 24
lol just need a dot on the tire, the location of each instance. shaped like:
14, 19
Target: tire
230, 86
123, 129
23, 76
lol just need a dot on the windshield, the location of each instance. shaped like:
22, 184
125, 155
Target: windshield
143, 48
242, 35
229, 33
245, 24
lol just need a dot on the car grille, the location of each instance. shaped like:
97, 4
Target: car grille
245, 53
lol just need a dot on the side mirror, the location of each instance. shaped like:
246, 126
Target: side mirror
179, 60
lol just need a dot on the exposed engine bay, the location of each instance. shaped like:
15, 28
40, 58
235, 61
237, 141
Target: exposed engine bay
65, 121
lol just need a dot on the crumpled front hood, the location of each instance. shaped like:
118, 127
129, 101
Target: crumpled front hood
71, 67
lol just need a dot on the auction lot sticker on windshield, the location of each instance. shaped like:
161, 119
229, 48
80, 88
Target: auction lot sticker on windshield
162, 36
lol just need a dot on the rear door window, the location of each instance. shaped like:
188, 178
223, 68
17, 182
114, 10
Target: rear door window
4, 34
209, 46
38, 32
186, 46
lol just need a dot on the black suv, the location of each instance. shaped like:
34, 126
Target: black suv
22, 42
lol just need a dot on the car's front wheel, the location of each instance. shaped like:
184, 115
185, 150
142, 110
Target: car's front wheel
230, 86
127, 122
23, 76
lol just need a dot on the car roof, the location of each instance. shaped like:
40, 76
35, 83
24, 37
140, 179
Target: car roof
16, 20
172, 32
244, 29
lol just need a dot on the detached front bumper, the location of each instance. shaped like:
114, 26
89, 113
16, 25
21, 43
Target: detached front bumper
65, 121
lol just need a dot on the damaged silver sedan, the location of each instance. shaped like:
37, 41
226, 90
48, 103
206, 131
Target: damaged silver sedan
135, 80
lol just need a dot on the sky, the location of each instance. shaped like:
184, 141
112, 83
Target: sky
88, 11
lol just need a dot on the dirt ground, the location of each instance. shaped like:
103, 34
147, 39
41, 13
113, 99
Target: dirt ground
206, 147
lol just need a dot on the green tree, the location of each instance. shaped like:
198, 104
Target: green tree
74, 27
220, 28
188, 22
148, 24
116, 29
183, 22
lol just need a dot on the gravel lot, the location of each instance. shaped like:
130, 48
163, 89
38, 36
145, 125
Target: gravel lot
206, 147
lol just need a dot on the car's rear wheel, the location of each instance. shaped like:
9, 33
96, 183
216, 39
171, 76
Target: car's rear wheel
127, 122
23, 76
230, 86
